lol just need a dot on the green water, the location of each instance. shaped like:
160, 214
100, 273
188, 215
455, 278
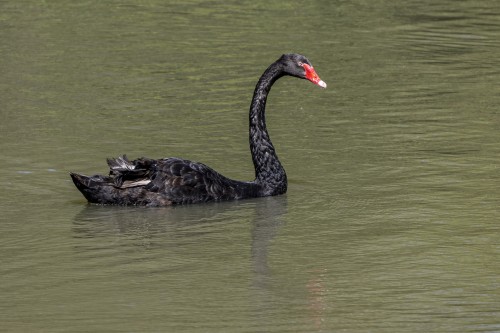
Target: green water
391, 220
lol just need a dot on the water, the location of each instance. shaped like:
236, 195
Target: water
391, 219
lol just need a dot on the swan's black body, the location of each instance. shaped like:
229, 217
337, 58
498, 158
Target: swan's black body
172, 181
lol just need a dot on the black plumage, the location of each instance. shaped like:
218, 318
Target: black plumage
173, 181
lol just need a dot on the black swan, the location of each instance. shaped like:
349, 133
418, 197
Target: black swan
173, 180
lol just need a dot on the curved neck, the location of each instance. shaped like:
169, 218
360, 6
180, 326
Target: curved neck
268, 170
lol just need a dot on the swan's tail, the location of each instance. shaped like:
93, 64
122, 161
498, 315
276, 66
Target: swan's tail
96, 189
124, 185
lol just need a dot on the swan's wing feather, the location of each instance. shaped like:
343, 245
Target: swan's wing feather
126, 173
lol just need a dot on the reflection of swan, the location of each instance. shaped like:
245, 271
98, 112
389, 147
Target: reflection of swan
266, 223
215, 241
173, 181
178, 222
175, 222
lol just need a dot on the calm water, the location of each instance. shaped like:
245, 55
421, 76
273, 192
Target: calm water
391, 222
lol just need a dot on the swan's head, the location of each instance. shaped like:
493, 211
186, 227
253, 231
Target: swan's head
297, 65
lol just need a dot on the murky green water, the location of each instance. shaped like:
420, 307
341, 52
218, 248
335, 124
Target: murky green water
391, 222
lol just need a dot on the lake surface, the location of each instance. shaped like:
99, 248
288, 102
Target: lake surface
391, 220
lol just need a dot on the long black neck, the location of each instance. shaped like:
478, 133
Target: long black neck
268, 170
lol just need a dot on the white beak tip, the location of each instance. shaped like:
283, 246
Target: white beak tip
322, 84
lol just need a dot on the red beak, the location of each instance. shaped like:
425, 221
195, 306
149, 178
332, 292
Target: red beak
312, 76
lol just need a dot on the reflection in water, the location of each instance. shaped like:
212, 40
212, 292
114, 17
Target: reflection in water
177, 222
268, 218
96, 221
190, 229
316, 291
265, 226
181, 227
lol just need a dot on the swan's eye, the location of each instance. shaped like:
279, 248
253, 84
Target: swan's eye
301, 64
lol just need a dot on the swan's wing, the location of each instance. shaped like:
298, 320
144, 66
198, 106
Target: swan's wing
174, 180
183, 181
